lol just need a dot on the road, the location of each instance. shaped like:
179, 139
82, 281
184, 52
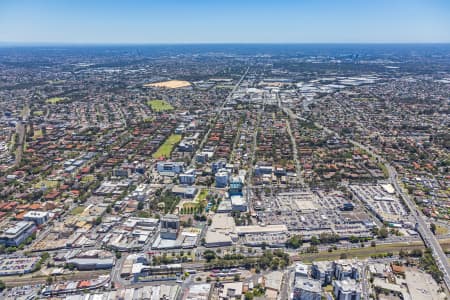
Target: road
116, 270
219, 111
287, 284
293, 116
21, 131
423, 228
365, 284
251, 162
421, 225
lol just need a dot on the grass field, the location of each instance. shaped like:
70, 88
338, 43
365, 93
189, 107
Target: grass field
441, 230
165, 149
55, 100
49, 184
170, 84
88, 178
159, 105
77, 210
37, 134
38, 113
360, 252
202, 195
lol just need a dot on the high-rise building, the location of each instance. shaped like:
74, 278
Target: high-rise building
169, 227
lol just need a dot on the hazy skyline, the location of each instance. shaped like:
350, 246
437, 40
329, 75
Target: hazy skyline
197, 21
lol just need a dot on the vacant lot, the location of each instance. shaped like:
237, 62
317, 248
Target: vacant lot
165, 149
171, 84
77, 210
159, 105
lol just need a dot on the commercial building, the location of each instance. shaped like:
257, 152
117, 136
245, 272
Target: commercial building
272, 284
17, 265
255, 229
16, 233
38, 217
218, 165
222, 178
169, 292
141, 271
236, 186
184, 191
92, 263
260, 170
231, 290
188, 177
198, 292
238, 203
170, 226
221, 232
168, 166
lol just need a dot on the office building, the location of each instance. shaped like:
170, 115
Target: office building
222, 178
38, 217
170, 226
16, 233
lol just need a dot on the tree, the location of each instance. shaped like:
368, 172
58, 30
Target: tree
416, 253
312, 249
353, 239
433, 228
383, 232
209, 255
140, 205
98, 220
315, 241
2, 285
294, 242
328, 237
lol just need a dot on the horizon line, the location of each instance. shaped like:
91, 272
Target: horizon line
8, 43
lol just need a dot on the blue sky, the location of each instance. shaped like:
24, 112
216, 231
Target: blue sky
242, 21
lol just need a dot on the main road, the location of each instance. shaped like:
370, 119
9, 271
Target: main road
421, 225
423, 228
21, 129
219, 111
